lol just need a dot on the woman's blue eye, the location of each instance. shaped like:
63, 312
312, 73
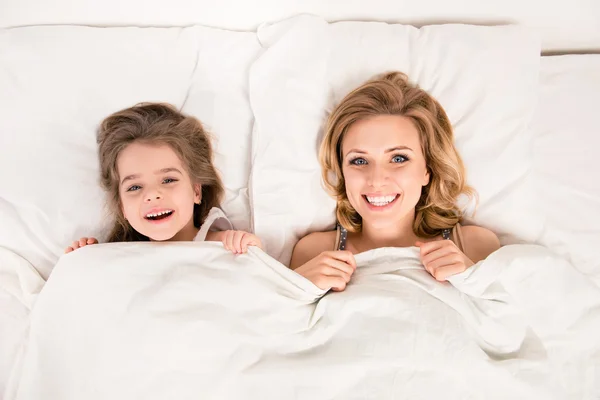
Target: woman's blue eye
169, 180
134, 188
358, 161
399, 159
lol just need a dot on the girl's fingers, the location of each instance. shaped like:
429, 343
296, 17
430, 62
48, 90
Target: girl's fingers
239, 237
246, 241
252, 240
229, 240
257, 242
249, 240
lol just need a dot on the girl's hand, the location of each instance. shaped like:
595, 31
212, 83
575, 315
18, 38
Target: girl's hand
236, 241
84, 241
329, 270
443, 259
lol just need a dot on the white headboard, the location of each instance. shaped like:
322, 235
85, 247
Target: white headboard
564, 25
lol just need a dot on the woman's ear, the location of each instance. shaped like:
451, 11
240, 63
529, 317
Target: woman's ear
427, 177
197, 193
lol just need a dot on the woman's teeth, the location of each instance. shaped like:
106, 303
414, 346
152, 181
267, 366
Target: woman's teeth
380, 201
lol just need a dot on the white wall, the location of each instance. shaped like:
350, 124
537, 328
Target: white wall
564, 25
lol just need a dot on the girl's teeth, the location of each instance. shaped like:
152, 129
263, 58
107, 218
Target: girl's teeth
158, 214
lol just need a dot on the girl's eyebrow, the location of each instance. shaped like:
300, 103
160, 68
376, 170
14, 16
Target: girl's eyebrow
129, 178
160, 171
169, 169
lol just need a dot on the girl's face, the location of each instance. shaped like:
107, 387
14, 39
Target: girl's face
384, 169
157, 195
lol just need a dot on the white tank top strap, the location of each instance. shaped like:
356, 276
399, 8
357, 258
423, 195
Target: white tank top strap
216, 220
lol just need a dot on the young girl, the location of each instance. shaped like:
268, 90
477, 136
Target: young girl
156, 166
389, 148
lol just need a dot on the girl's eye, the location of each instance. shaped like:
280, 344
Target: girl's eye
399, 159
169, 180
134, 188
358, 161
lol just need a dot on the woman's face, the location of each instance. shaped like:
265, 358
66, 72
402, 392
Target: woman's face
384, 169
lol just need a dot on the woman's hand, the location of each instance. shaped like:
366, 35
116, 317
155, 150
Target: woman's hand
443, 259
329, 270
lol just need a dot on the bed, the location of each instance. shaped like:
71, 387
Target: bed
101, 323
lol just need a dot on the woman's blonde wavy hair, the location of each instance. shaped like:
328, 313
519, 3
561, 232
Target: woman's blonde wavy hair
392, 94
156, 123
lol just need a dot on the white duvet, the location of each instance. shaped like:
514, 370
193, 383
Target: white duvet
193, 321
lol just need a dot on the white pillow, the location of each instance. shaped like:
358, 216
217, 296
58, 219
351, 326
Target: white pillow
485, 77
58, 83
565, 159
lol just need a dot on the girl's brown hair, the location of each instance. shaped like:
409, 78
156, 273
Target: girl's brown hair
392, 94
156, 123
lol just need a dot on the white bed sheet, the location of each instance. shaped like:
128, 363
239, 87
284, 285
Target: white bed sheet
190, 320
20, 284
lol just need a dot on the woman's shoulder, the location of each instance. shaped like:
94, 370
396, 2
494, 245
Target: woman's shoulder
479, 242
311, 246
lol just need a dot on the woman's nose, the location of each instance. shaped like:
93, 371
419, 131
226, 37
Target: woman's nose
377, 176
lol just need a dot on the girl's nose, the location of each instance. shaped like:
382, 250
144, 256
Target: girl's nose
153, 196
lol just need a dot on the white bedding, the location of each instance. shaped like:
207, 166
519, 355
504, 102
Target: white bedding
59, 82
20, 284
191, 320
308, 66
566, 143
56, 89
563, 25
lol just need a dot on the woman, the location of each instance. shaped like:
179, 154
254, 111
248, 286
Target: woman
388, 158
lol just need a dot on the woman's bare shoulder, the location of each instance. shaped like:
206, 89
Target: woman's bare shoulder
479, 242
311, 246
